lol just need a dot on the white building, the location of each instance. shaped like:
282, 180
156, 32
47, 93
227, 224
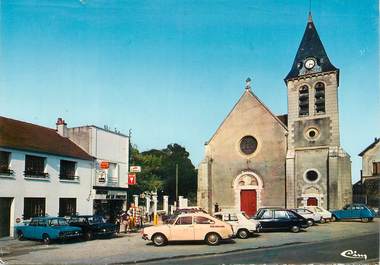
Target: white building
41, 173
110, 174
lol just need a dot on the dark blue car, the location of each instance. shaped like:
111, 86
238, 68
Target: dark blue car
47, 229
354, 211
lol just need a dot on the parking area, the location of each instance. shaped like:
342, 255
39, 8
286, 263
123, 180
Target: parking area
131, 248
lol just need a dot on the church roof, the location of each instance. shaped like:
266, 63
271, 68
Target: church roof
311, 47
280, 119
283, 118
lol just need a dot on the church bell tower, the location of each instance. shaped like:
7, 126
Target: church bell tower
318, 170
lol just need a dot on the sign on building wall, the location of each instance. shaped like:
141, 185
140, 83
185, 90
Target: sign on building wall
104, 165
131, 179
135, 169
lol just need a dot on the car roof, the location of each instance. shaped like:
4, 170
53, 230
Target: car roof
227, 211
196, 213
272, 208
85, 215
47, 217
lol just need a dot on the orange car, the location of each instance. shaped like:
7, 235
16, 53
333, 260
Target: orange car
189, 226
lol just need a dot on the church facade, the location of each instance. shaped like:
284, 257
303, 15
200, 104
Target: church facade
257, 159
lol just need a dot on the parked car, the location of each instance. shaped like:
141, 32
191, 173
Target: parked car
189, 226
93, 226
243, 226
280, 219
354, 211
326, 215
311, 217
47, 229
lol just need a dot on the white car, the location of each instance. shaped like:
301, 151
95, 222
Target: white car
241, 224
326, 215
308, 215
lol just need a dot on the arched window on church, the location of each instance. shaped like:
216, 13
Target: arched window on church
320, 98
303, 101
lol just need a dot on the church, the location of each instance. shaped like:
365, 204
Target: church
257, 159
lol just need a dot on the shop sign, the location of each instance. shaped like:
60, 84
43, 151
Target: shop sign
132, 179
135, 169
104, 165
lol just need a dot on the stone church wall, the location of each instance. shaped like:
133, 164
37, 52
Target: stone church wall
249, 117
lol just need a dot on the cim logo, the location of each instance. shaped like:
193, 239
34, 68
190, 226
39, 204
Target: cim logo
353, 254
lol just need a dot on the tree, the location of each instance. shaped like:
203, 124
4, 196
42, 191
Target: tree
159, 169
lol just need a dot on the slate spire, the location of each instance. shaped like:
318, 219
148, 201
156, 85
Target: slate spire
311, 56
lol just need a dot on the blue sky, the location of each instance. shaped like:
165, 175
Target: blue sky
172, 70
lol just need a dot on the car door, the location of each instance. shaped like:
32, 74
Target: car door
281, 219
349, 212
41, 228
202, 225
183, 229
266, 219
356, 211
28, 229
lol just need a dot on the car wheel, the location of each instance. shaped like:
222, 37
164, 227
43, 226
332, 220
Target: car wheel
323, 220
310, 222
243, 233
212, 239
159, 240
46, 239
20, 235
88, 235
295, 229
365, 220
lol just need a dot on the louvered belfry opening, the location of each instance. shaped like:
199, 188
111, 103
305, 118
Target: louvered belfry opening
320, 98
303, 101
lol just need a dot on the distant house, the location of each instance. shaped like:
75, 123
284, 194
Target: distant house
41, 173
367, 190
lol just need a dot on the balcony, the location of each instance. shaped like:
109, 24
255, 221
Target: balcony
37, 175
6, 173
68, 178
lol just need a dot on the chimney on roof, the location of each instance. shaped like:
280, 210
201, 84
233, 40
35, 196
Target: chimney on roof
61, 127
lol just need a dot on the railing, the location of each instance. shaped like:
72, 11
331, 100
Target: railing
69, 177
35, 174
6, 171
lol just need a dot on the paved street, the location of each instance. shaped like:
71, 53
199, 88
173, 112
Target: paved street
316, 252
131, 248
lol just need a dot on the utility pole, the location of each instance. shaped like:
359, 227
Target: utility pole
176, 183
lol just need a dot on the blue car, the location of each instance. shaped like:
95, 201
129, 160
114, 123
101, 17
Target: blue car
47, 229
354, 211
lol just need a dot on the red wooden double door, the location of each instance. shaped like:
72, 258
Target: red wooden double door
248, 201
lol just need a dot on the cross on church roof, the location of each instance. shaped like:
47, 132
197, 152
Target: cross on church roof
248, 83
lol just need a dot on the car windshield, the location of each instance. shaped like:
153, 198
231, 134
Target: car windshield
95, 220
171, 220
58, 222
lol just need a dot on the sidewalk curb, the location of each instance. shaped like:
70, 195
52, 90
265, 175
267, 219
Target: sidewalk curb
230, 251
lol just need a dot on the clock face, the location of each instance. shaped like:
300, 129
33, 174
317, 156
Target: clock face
309, 63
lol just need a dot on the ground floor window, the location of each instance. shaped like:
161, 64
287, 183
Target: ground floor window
34, 207
67, 206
